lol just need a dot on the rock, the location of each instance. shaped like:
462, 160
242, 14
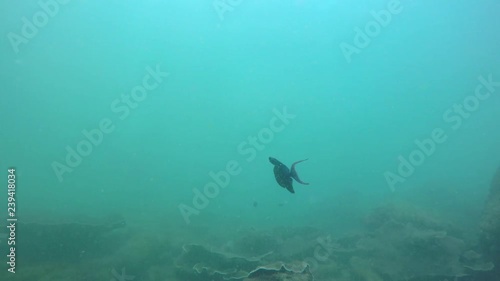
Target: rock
490, 223
200, 263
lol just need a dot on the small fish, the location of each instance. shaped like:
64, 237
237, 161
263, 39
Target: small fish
255, 204
284, 175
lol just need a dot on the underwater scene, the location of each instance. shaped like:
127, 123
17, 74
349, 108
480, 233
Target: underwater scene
237, 140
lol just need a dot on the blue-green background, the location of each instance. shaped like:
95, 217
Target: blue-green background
352, 120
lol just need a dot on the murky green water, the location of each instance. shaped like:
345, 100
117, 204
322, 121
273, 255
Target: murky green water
140, 134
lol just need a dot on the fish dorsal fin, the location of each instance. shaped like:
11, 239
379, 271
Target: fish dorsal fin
294, 174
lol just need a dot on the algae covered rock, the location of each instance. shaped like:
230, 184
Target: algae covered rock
404, 242
201, 263
490, 223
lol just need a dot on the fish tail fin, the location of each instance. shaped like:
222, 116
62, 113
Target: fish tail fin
294, 174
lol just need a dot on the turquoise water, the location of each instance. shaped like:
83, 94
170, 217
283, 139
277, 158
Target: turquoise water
165, 113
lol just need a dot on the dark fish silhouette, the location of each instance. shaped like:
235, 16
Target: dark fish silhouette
284, 176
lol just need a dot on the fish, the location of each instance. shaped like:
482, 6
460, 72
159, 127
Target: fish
284, 176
